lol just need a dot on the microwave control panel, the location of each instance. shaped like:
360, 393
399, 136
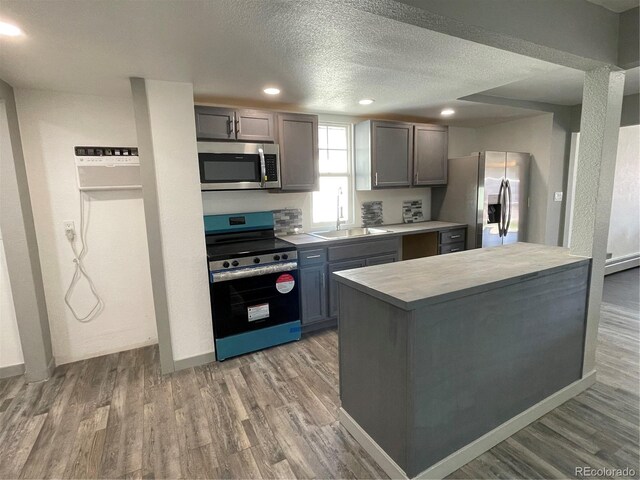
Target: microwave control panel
271, 167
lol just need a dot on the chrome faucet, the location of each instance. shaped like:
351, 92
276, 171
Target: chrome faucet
339, 210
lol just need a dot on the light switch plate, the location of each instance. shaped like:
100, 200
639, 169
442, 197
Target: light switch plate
557, 196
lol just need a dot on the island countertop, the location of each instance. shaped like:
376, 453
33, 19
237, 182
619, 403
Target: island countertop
415, 283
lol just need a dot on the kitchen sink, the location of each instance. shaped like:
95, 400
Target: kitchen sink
352, 232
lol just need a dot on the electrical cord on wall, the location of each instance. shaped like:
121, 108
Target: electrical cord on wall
80, 270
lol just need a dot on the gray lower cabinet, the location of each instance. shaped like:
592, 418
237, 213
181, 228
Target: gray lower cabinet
382, 259
451, 241
313, 294
298, 141
218, 123
318, 292
333, 286
430, 155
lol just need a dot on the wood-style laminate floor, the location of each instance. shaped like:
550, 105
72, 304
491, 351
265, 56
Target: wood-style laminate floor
272, 414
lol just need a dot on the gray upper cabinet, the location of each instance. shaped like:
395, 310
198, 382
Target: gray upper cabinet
384, 152
430, 155
255, 126
217, 123
298, 141
213, 123
398, 154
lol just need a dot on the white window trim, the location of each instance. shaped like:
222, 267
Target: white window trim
351, 197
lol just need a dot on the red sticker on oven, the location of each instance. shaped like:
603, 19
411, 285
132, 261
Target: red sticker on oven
285, 283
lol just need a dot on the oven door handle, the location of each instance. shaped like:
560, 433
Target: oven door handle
228, 275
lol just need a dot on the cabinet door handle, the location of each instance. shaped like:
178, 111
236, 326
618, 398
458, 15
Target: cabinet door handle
415, 178
238, 126
312, 256
455, 236
376, 179
322, 281
230, 125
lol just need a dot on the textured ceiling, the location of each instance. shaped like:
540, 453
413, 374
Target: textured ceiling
617, 6
562, 87
323, 56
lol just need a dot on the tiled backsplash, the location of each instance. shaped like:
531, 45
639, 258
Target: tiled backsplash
371, 213
412, 211
287, 220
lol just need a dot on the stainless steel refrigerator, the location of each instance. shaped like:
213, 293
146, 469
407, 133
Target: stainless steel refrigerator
489, 191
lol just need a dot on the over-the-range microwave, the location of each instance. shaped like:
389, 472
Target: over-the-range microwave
238, 166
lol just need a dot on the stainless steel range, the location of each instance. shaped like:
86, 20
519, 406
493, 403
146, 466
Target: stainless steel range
253, 278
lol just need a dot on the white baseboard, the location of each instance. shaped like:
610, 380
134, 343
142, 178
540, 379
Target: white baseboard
12, 370
467, 453
387, 464
614, 265
195, 361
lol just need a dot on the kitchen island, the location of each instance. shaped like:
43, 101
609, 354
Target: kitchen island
443, 357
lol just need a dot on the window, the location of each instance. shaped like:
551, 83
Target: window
336, 192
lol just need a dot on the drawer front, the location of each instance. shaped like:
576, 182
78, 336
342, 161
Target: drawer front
381, 259
363, 249
452, 247
451, 236
312, 257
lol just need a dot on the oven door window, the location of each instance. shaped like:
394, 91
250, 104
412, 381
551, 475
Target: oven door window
252, 303
228, 167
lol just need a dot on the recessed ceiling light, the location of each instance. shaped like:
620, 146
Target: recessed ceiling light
272, 91
366, 101
9, 30
447, 111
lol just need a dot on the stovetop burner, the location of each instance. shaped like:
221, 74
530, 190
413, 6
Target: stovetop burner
247, 248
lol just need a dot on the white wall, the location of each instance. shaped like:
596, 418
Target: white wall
624, 228
252, 201
10, 348
52, 124
462, 141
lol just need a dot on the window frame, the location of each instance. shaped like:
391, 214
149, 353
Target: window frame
351, 197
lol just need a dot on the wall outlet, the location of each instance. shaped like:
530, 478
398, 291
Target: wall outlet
557, 197
69, 227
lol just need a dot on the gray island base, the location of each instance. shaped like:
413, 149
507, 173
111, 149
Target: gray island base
441, 358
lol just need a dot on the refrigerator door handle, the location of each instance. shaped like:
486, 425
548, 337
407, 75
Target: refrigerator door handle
502, 206
508, 192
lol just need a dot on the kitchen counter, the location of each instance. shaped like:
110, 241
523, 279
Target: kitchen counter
443, 357
416, 283
303, 239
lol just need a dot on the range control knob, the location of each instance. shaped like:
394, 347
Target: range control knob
235, 263
285, 256
256, 260
225, 264
276, 257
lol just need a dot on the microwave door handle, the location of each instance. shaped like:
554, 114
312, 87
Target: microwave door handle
263, 167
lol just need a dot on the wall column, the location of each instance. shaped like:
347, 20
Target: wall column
21, 246
599, 126
165, 123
